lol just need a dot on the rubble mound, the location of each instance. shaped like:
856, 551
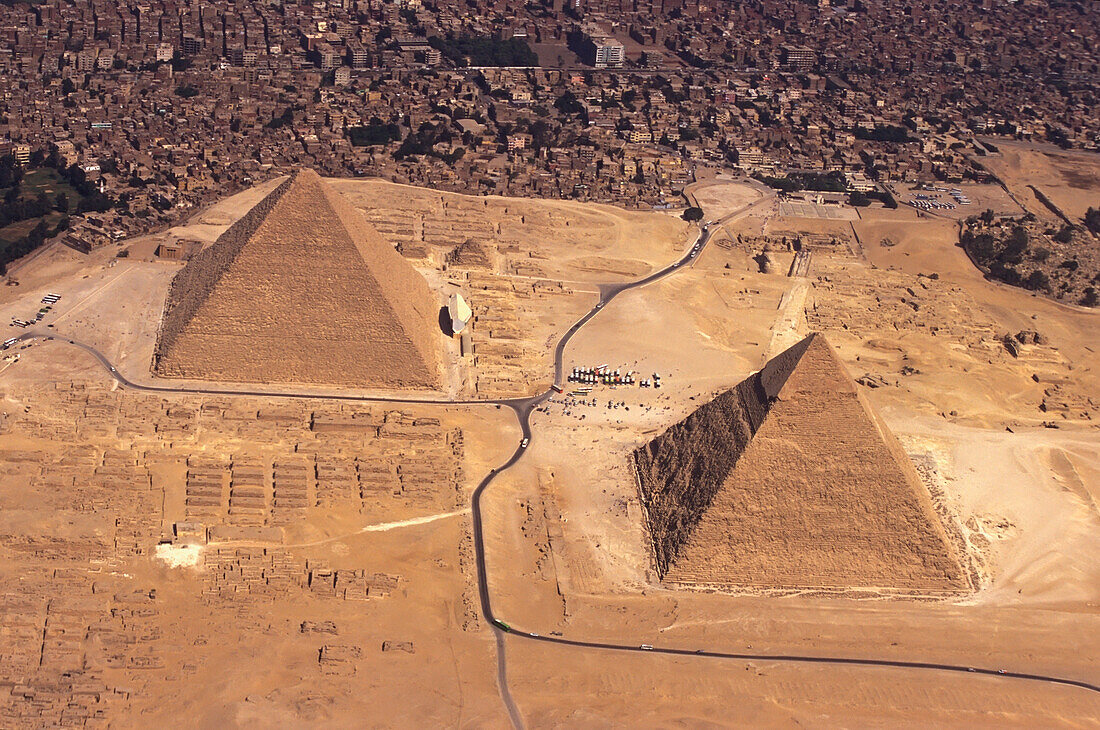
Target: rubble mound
471, 254
789, 481
300, 290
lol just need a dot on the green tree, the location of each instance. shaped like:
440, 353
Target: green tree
567, 103
1037, 280
1064, 235
858, 199
1015, 246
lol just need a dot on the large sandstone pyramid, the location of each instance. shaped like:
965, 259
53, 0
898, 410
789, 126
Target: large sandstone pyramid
301, 290
790, 481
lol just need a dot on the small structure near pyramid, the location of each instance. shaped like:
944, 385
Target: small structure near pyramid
301, 290
790, 481
471, 254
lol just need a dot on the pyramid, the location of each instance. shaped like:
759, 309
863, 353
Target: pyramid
790, 481
301, 290
471, 254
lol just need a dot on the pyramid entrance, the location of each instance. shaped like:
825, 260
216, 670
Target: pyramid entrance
790, 481
301, 290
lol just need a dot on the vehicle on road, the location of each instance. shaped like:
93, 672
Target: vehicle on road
524, 442
646, 647
8, 343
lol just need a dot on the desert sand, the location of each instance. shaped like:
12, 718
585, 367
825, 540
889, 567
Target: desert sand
296, 561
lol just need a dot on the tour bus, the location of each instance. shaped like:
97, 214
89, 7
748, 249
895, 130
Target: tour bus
8, 343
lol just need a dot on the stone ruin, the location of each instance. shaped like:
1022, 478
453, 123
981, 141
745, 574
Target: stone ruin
471, 254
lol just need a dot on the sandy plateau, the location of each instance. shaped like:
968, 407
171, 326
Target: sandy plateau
260, 560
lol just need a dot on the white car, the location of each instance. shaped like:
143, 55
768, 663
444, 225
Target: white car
524, 442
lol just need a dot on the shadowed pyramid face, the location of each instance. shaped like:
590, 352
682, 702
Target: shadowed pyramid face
301, 290
789, 481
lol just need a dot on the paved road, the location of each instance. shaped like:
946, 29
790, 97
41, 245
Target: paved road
523, 411
197, 390
523, 408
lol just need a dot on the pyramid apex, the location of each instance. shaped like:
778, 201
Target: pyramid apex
307, 173
304, 176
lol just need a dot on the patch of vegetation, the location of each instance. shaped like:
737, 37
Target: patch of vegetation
424, 140
482, 50
278, 122
37, 202
831, 182
884, 133
19, 239
1092, 219
884, 197
376, 132
1063, 264
857, 199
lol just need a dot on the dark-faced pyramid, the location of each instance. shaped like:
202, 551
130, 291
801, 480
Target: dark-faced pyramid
790, 481
301, 290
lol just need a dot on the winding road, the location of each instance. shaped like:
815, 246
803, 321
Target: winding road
523, 408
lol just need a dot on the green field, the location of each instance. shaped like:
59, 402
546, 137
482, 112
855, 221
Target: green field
11, 233
42, 180
46, 180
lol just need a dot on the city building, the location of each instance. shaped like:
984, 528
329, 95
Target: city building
597, 48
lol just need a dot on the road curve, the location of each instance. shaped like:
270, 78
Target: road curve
196, 390
523, 411
523, 407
